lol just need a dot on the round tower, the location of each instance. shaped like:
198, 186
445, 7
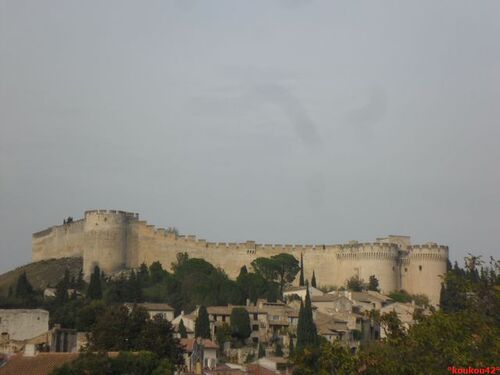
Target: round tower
422, 270
366, 259
105, 234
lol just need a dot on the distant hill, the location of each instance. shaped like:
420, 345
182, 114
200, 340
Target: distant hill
42, 273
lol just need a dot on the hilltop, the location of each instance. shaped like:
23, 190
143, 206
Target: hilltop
42, 273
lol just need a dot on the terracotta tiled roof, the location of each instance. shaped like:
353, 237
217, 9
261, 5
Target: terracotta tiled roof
188, 344
41, 364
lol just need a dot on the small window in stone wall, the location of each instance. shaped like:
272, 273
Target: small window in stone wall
420, 268
406, 269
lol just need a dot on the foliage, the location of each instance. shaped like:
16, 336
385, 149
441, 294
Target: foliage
281, 268
301, 277
278, 351
202, 324
240, 324
223, 335
313, 280
182, 330
307, 336
329, 358
140, 363
356, 284
262, 351
373, 284
94, 290
119, 329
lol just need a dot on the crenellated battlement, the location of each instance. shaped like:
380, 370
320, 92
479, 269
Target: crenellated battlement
116, 239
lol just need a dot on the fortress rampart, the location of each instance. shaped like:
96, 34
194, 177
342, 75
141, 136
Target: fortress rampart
116, 240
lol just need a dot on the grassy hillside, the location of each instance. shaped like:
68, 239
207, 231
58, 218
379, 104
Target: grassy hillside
40, 274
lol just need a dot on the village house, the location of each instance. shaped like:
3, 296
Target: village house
199, 354
269, 321
300, 292
153, 309
189, 321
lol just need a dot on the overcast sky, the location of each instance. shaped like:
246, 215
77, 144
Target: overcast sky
287, 121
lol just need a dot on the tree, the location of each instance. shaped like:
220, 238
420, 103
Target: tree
278, 352
240, 324
331, 358
143, 274
202, 324
156, 272
62, 288
373, 283
301, 277
157, 336
23, 287
281, 268
118, 329
307, 336
94, 290
182, 330
356, 284
261, 351
223, 335
291, 348
313, 280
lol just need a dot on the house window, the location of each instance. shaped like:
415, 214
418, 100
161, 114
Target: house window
255, 317
223, 318
255, 327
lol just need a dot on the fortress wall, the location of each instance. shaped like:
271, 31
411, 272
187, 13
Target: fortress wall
366, 259
422, 268
59, 241
116, 240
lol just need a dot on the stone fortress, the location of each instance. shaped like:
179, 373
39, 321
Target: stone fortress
116, 240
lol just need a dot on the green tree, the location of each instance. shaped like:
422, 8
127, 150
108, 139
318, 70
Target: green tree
356, 284
223, 335
313, 280
62, 288
156, 272
240, 324
301, 277
373, 283
278, 352
291, 347
261, 351
307, 336
24, 289
94, 290
202, 324
281, 268
182, 330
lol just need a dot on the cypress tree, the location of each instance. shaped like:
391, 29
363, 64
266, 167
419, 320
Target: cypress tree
301, 277
62, 288
443, 303
23, 287
307, 335
182, 330
278, 352
313, 280
291, 347
262, 351
202, 324
95, 289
